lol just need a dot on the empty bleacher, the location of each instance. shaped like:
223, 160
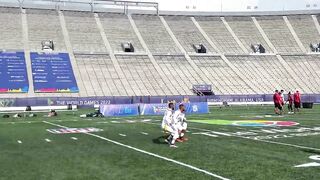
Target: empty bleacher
307, 68
118, 30
83, 32
305, 29
247, 32
223, 78
180, 72
143, 77
155, 35
187, 36
265, 73
99, 76
166, 71
44, 25
219, 34
279, 34
11, 29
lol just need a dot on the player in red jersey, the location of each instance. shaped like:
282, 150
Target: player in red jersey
277, 102
297, 101
290, 102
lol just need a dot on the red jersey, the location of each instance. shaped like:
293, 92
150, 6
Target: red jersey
296, 97
277, 98
290, 98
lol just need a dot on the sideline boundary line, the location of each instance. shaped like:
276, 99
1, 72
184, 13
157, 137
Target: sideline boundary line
148, 153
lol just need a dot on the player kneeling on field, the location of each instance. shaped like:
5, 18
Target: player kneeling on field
180, 122
168, 126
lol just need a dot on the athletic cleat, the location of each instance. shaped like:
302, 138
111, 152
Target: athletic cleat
173, 146
179, 140
184, 139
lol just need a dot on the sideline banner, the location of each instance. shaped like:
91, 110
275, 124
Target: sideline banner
120, 110
159, 109
196, 108
13, 73
53, 73
153, 109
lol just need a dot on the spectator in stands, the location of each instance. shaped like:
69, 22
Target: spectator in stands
277, 102
297, 101
52, 113
290, 103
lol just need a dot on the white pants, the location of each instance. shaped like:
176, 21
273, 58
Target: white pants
182, 126
174, 131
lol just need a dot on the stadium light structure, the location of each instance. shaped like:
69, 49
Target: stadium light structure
92, 3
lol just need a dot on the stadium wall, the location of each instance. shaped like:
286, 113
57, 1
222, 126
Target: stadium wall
89, 102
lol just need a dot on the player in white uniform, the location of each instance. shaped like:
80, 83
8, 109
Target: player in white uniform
167, 126
167, 118
180, 122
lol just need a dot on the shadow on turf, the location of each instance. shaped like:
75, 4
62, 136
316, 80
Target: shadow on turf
159, 140
311, 151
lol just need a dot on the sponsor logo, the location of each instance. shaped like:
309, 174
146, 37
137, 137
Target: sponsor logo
248, 123
159, 109
73, 130
195, 108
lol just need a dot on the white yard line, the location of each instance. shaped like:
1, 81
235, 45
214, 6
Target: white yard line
123, 135
144, 133
206, 134
74, 138
220, 133
149, 153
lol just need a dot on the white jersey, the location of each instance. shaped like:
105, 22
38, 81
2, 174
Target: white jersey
178, 117
167, 118
282, 97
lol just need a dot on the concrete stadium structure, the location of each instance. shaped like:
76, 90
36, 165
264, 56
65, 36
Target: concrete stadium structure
164, 61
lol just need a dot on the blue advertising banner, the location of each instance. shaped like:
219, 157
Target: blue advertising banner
196, 108
52, 73
120, 110
159, 109
13, 73
153, 109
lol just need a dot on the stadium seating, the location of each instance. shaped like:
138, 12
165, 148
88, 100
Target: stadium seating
219, 34
118, 30
180, 72
11, 30
264, 72
221, 75
279, 34
155, 35
247, 32
227, 65
307, 67
99, 76
304, 28
187, 36
44, 25
83, 32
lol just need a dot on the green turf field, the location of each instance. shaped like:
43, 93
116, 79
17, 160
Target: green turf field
222, 145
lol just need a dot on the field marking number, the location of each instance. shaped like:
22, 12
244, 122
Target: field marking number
312, 164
